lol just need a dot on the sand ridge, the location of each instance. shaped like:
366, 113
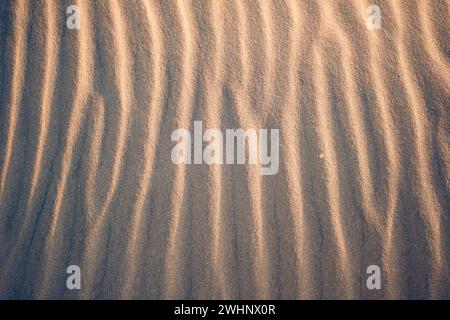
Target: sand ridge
86, 176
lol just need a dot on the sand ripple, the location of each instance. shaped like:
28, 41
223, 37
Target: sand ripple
85, 170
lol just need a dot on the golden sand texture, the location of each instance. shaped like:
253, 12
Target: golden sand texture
86, 177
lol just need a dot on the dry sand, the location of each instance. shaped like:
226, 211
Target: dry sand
86, 177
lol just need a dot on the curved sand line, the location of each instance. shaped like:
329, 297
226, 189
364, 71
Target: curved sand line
171, 285
304, 286
389, 134
354, 116
331, 170
154, 119
52, 243
442, 68
19, 46
213, 103
368, 185
17, 82
123, 86
432, 211
246, 119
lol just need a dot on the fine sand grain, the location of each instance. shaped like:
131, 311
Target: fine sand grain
86, 176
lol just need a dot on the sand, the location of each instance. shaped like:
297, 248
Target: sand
86, 176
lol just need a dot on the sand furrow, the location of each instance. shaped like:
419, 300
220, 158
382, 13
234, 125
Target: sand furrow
325, 134
173, 252
389, 134
45, 93
19, 49
387, 127
213, 103
87, 177
354, 117
123, 87
259, 277
430, 207
429, 39
53, 241
94, 153
52, 250
267, 25
46, 99
19, 45
303, 280
153, 128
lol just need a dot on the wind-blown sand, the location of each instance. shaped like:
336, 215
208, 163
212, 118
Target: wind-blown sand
86, 177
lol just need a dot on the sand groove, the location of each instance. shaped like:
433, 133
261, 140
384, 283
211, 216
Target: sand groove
86, 175
171, 277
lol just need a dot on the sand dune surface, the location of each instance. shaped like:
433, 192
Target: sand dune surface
86, 177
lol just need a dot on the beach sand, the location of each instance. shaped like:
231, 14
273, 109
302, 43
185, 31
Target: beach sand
86, 176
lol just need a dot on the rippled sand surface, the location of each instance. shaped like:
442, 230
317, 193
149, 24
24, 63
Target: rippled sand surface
86, 177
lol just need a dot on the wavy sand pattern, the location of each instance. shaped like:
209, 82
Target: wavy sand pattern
86, 176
